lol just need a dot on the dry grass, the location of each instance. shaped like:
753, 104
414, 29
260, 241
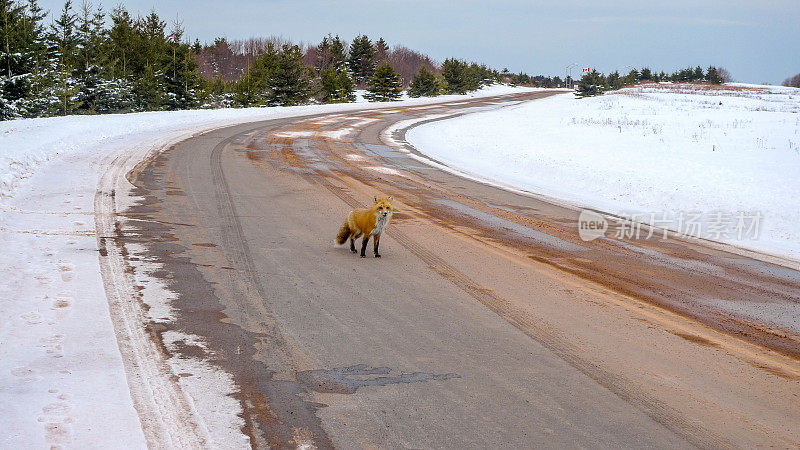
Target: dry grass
700, 88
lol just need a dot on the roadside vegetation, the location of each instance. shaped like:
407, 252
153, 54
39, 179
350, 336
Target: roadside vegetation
89, 61
595, 83
792, 81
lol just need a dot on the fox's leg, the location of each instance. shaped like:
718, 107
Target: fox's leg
364, 246
375, 241
355, 235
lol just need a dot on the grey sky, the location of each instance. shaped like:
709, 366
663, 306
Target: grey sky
757, 41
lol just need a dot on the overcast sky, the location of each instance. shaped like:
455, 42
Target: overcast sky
757, 41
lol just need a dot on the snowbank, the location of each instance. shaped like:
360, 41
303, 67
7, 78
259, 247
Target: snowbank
678, 150
61, 370
27, 143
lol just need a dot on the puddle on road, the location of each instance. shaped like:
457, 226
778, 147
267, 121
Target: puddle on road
347, 380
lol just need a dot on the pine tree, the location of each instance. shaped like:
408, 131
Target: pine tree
181, 74
331, 52
13, 85
7, 110
592, 83
12, 15
631, 78
88, 36
424, 84
361, 60
646, 74
455, 72
89, 70
698, 74
323, 54
712, 76
614, 80
253, 88
121, 43
289, 81
65, 44
478, 76
148, 62
336, 86
385, 85
381, 52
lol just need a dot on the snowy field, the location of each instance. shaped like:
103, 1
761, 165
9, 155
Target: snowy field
62, 377
726, 158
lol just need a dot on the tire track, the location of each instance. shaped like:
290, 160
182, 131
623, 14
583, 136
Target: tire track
166, 414
283, 400
549, 337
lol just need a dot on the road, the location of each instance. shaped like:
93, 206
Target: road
487, 323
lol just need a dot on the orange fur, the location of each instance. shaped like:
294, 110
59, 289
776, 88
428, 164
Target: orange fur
366, 222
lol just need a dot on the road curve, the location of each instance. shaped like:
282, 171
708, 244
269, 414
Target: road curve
487, 323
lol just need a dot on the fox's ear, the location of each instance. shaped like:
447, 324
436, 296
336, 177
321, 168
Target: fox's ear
391, 197
375, 198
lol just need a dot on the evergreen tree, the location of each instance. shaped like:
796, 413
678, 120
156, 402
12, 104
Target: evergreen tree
289, 81
65, 44
13, 85
646, 74
455, 73
361, 60
148, 62
336, 86
631, 78
424, 84
331, 52
122, 40
381, 52
477, 76
712, 76
181, 74
698, 74
89, 37
592, 83
385, 85
12, 15
7, 110
253, 88
614, 80
89, 73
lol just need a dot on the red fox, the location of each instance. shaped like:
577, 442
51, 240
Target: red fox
366, 222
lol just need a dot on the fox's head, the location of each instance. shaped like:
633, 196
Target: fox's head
383, 206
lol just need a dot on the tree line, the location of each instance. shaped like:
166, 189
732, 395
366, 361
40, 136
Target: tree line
792, 81
595, 83
89, 61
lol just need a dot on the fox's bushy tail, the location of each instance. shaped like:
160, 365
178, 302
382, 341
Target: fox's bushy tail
344, 233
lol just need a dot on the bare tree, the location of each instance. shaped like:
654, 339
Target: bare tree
407, 63
724, 75
793, 81
230, 59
